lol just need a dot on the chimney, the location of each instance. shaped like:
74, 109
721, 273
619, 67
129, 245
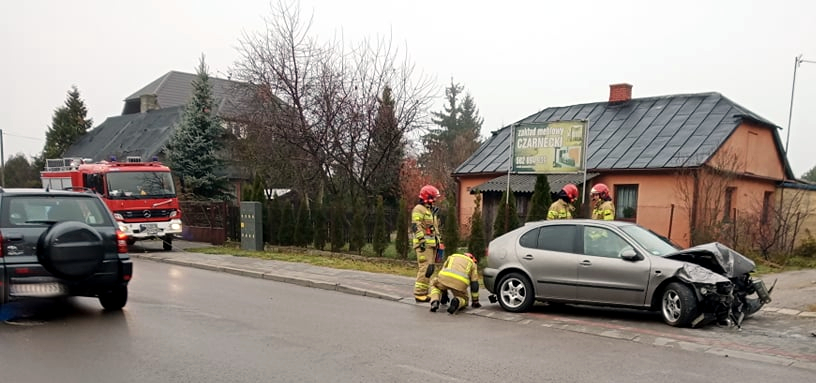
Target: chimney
149, 102
620, 93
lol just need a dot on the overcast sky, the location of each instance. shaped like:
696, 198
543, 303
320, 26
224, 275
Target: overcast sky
514, 57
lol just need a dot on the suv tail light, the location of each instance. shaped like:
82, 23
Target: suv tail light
121, 242
2, 248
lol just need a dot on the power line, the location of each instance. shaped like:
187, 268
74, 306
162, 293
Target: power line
20, 136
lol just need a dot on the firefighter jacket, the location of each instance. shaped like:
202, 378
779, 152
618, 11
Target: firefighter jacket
458, 272
560, 209
425, 226
604, 210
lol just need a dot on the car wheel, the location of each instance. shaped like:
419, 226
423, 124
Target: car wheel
167, 243
679, 305
114, 299
71, 250
516, 293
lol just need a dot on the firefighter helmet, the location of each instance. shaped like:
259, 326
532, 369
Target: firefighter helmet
601, 190
571, 191
472, 257
429, 194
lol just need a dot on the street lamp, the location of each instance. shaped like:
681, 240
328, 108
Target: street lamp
796, 61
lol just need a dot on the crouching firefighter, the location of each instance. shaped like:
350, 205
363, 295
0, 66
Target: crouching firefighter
424, 225
459, 272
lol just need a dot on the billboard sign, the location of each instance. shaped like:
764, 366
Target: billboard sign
549, 147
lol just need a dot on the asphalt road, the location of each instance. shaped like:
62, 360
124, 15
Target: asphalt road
183, 324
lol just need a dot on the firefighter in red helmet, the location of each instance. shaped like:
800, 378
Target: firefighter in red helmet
426, 239
459, 272
602, 206
562, 207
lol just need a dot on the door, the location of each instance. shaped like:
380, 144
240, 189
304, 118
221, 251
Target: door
548, 253
605, 277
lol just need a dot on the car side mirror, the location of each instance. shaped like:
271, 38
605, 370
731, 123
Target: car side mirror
629, 254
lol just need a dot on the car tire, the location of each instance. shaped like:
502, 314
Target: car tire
71, 250
130, 241
678, 305
114, 299
167, 243
516, 293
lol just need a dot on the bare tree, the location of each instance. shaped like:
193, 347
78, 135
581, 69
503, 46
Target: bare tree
321, 99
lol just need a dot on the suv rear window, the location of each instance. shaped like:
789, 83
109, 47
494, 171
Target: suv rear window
23, 211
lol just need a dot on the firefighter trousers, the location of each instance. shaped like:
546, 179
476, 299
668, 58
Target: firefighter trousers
422, 284
438, 288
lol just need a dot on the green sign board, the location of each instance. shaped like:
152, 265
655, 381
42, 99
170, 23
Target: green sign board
549, 147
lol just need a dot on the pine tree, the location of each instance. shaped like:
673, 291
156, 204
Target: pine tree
810, 175
541, 199
385, 152
68, 124
194, 147
305, 228
357, 230
401, 241
450, 230
507, 216
286, 231
380, 241
338, 216
477, 244
273, 213
321, 228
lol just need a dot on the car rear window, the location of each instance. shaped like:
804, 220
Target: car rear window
559, 238
25, 211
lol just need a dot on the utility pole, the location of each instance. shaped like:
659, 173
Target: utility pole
2, 162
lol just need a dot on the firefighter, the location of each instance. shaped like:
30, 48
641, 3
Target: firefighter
426, 240
459, 272
602, 206
562, 207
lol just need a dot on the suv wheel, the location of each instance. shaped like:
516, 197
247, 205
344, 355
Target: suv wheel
516, 293
679, 305
71, 250
114, 299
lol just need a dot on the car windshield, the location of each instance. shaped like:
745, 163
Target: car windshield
42, 210
654, 243
140, 185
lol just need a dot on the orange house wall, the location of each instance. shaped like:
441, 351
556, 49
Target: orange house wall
467, 202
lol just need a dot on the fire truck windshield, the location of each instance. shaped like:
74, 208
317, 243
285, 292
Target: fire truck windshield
140, 185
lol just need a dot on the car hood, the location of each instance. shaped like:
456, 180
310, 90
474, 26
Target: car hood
716, 257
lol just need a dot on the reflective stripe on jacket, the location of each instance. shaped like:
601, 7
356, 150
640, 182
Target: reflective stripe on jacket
560, 209
425, 226
605, 211
457, 273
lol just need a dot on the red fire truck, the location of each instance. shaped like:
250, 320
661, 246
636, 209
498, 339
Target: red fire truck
140, 194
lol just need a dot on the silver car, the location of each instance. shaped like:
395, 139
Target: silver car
617, 263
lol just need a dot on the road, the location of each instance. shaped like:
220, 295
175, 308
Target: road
183, 324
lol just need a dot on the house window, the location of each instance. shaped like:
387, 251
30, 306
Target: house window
766, 207
729, 201
626, 202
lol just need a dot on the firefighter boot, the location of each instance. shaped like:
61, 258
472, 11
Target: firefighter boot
445, 298
434, 306
454, 305
422, 298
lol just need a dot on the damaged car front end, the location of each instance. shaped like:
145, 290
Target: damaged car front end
726, 293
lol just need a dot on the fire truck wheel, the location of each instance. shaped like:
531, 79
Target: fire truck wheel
167, 243
71, 250
130, 241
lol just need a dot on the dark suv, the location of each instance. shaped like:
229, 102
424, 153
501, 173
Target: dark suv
61, 243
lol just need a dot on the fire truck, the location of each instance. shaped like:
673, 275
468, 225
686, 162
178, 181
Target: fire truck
141, 195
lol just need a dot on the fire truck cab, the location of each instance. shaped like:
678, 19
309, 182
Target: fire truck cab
141, 195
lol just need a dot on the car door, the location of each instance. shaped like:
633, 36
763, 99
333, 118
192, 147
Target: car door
605, 277
548, 253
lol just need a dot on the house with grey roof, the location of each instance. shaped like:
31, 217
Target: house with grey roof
675, 164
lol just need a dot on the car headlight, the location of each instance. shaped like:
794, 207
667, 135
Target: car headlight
124, 228
173, 213
706, 289
118, 216
175, 226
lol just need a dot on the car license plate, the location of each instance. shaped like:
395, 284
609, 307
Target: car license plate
150, 228
40, 290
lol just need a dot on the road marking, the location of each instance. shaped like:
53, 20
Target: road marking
449, 378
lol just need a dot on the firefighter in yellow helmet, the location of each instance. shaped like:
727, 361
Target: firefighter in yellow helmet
562, 207
459, 272
602, 206
426, 239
